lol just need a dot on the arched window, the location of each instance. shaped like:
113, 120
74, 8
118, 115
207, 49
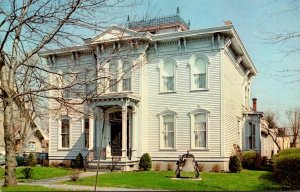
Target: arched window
199, 128
199, 68
65, 133
126, 69
168, 76
113, 72
168, 129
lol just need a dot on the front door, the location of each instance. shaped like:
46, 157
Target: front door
116, 139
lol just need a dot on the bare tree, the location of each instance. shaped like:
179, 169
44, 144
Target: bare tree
294, 126
27, 27
273, 131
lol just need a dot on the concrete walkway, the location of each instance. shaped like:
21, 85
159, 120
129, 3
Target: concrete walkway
55, 183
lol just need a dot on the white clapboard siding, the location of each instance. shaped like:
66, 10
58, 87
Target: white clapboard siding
183, 102
233, 101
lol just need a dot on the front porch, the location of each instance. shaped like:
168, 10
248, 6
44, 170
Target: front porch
115, 132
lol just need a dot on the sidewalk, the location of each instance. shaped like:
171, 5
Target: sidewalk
54, 183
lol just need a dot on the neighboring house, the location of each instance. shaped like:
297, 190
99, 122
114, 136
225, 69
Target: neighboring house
268, 146
35, 140
290, 134
188, 90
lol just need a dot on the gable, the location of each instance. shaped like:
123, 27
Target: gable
114, 33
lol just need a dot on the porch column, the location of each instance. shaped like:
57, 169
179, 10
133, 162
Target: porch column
99, 132
124, 132
133, 136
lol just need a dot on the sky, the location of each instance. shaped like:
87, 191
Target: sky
257, 22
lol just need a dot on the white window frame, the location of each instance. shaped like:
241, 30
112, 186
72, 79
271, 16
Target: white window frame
192, 62
126, 74
161, 80
192, 116
31, 145
116, 76
59, 132
161, 118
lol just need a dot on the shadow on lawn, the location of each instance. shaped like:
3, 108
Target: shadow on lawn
268, 177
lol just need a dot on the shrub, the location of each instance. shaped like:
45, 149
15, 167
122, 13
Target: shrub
74, 174
287, 168
170, 166
55, 163
27, 172
78, 162
45, 162
145, 162
157, 167
20, 160
201, 167
31, 160
216, 168
65, 163
235, 164
251, 160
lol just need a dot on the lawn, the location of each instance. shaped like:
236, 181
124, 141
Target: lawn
27, 188
39, 172
246, 180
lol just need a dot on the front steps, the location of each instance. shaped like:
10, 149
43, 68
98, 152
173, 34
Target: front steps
109, 165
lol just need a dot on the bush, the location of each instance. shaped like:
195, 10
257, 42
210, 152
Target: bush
145, 162
55, 163
74, 174
20, 160
235, 164
201, 167
78, 162
170, 166
31, 160
65, 164
27, 172
45, 162
251, 160
216, 168
287, 168
157, 167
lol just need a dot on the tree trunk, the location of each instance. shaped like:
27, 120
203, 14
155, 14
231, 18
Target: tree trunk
9, 138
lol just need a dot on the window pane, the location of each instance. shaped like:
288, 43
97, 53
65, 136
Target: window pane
168, 70
168, 83
127, 84
86, 132
168, 131
200, 130
200, 66
65, 130
113, 85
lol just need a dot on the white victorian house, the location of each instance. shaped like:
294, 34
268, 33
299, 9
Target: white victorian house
157, 88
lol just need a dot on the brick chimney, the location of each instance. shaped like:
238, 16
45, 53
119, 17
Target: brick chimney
254, 104
227, 23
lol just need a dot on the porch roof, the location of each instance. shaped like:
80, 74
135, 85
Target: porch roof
116, 99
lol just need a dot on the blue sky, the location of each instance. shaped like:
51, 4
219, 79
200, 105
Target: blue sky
256, 22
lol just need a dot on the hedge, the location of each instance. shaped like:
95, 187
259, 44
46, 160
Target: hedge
287, 168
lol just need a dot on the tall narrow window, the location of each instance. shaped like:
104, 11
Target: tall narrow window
200, 130
199, 73
252, 142
86, 132
126, 68
113, 71
65, 133
168, 75
168, 131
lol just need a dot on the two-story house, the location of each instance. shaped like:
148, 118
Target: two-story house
153, 87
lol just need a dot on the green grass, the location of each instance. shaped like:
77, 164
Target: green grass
289, 153
39, 172
246, 180
27, 188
